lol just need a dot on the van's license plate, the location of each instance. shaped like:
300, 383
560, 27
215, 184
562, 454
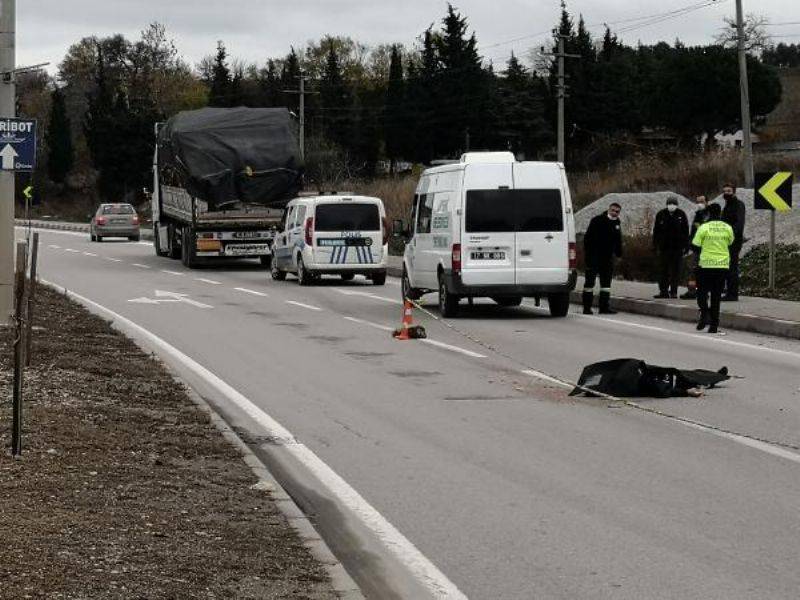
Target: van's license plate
488, 255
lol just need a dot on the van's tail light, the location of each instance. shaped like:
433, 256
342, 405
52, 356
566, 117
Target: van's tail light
135, 220
386, 232
456, 256
310, 231
573, 256
101, 220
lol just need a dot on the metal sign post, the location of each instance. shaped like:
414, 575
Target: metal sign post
773, 193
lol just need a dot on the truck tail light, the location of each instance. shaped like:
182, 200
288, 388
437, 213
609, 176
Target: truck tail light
456, 256
310, 231
101, 220
573, 256
386, 232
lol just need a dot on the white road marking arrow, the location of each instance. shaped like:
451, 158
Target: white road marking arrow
9, 154
163, 297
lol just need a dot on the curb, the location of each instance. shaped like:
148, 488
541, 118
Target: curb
688, 314
341, 582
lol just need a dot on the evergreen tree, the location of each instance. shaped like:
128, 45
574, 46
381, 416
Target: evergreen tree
270, 85
290, 80
61, 156
219, 94
394, 113
336, 102
522, 127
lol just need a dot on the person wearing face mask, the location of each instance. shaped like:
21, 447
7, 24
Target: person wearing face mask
670, 241
713, 240
734, 214
700, 217
602, 242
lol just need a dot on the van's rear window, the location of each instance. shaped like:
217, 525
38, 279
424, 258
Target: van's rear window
347, 217
498, 211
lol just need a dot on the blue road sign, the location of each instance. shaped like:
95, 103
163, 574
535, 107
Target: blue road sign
17, 144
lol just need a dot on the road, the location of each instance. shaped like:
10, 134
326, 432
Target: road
508, 486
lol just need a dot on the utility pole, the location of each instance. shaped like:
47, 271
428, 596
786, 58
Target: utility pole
562, 88
302, 92
7, 201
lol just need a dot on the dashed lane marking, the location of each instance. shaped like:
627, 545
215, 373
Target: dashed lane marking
368, 295
54, 247
301, 305
176, 273
545, 377
453, 348
112, 259
251, 292
209, 281
368, 324
89, 254
71, 250
139, 266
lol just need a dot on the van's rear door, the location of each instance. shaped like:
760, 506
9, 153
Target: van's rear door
542, 239
348, 232
488, 241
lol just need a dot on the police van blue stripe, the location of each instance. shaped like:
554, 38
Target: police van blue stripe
371, 257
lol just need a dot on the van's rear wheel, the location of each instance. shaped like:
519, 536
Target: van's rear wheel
347, 276
508, 301
379, 278
266, 261
559, 304
303, 276
448, 303
277, 274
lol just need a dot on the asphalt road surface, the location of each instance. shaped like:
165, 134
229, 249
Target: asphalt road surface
509, 487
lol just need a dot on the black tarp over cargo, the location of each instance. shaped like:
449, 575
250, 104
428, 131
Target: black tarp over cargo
224, 155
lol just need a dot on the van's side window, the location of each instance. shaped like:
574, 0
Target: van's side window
413, 220
286, 221
424, 213
301, 216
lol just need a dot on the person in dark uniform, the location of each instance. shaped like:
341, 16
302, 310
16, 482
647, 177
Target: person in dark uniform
700, 217
734, 214
670, 241
602, 242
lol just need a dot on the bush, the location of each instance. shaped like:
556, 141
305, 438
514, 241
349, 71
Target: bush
754, 270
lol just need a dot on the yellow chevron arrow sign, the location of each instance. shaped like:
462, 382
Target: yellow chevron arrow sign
774, 191
28, 191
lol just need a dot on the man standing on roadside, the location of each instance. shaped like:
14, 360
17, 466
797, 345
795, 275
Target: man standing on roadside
713, 239
670, 241
700, 217
602, 242
734, 214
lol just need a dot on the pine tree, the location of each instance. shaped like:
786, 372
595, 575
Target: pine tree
219, 94
336, 101
61, 155
394, 113
290, 79
270, 85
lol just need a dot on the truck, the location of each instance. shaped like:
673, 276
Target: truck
221, 180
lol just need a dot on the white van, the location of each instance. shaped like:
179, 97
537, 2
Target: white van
339, 234
493, 227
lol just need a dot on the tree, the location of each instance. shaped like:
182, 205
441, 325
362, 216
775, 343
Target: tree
61, 155
782, 56
290, 79
220, 84
756, 37
394, 114
337, 102
521, 124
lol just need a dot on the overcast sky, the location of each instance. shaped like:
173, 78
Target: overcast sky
257, 29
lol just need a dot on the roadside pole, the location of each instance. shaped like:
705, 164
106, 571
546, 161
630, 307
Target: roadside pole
7, 110
19, 348
562, 55
32, 283
302, 92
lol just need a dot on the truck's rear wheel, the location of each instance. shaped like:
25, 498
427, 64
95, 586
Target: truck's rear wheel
188, 248
559, 304
175, 248
157, 242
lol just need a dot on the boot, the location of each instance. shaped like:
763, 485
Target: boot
702, 323
691, 294
588, 300
605, 304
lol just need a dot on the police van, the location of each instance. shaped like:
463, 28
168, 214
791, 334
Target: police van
489, 226
339, 234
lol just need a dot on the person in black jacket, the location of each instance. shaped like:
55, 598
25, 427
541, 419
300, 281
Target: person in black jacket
734, 214
671, 242
602, 242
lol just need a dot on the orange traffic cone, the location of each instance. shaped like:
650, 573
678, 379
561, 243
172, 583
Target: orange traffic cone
404, 332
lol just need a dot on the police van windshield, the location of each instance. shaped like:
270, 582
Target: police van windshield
500, 211
347, 217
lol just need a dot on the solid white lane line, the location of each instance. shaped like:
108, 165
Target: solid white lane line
112, 259
71, 250
301, 305
368, 295
453, 348
177, 273
756, 444
89, 254
423, 570
547, 378
368, 324
252, 292
140, 266
211, 281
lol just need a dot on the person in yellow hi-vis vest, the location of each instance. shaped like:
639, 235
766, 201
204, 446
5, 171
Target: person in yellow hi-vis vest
713, 239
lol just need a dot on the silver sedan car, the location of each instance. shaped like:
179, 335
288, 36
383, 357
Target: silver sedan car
114, 220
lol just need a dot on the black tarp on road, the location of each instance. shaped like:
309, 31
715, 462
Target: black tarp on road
224, 155
634, 378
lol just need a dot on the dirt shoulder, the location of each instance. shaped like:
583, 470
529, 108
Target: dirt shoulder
125, 488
